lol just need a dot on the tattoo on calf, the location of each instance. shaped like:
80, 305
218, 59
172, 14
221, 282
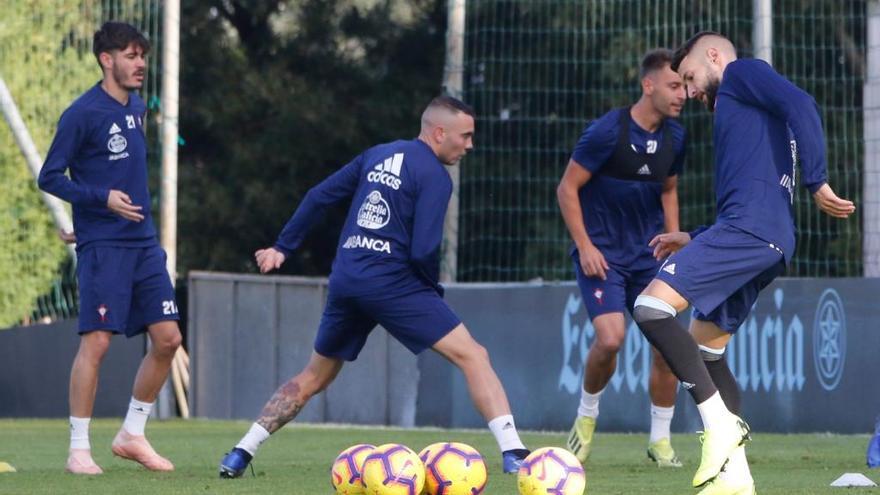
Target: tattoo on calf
284, 405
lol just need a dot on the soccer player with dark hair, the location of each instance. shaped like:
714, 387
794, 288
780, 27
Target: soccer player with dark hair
763, 126
124, 287
617, 193
386, 272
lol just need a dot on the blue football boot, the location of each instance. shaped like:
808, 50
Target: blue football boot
234, 463
513, 459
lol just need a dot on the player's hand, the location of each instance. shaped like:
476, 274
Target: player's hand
269, 259
668, 243
67, 237
831, 204
120, 203
593, 262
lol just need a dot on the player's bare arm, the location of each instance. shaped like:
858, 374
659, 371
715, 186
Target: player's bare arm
669, 200
831, 204
269, 259
591, 259
121, 204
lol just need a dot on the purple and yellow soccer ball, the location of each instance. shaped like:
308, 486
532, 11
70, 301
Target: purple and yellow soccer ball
453, 468
346, 471
551, 470
393, 469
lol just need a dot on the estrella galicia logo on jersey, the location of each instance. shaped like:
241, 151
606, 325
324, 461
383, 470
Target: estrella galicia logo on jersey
829, 339
117, 143
374, 213
362, 241
388, 172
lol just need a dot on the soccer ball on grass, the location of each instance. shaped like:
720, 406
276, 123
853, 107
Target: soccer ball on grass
453, 469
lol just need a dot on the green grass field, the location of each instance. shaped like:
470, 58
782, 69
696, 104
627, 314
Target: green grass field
297, 459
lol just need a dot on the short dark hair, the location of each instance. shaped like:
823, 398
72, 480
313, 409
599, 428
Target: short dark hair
117, 36
688, 45
655, 59
453, 104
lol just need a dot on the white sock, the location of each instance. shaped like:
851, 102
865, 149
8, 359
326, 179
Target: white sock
712, 410
589, 406
737, 468
79, 433
253, 438
136, 419
661, 419
505, 433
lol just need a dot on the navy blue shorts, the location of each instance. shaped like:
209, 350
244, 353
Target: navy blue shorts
417, 318
123, 290
721, 273
616, 294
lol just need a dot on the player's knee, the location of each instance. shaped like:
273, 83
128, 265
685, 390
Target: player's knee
608, 343
649, 308
167, 344
94, 345
480, 353
465, 352
711, 355
321, 385
474, 360
310, 383
473, 355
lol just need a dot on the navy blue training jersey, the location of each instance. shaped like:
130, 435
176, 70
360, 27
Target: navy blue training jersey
101, 142
399, 194
763, 125
622, 209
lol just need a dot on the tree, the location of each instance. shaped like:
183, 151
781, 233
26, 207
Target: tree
45, 68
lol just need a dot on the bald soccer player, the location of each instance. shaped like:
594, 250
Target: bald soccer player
386, 272
763, 125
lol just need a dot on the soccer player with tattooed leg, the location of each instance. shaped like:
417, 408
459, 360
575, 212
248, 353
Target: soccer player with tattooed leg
386, 272
763, 126
618, 191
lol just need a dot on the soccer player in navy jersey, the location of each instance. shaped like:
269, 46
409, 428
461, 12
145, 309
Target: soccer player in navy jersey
763, 126
124, 287
386, 272
618, 192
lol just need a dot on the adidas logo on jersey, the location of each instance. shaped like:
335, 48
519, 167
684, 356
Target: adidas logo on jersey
114, 129
645, 170
670, 268
359, 241
388, 172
